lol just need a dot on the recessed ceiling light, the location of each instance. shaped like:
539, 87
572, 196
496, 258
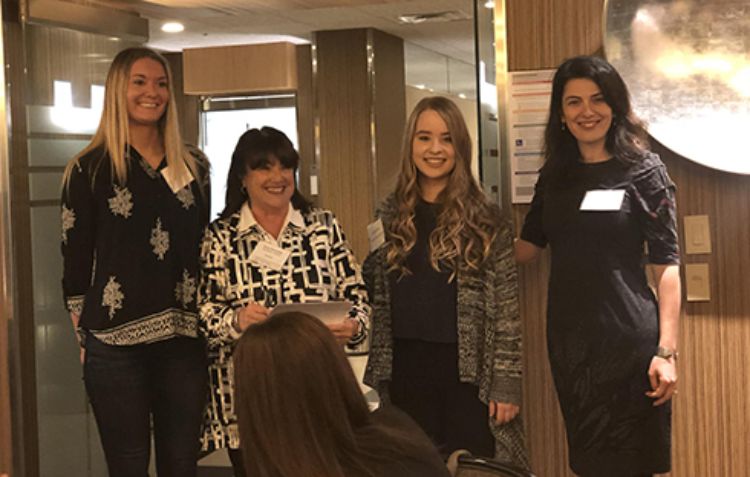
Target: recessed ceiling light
489, 4
172, 27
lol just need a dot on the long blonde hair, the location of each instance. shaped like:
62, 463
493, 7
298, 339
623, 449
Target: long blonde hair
112, 134
467, 224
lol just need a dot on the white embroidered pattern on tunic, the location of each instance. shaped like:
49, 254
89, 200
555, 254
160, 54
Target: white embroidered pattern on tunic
112, 296
185, 290
185, 196
159, 240
68, 221
122, 202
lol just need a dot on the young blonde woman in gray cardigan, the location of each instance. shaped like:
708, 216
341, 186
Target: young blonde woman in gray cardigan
446, 339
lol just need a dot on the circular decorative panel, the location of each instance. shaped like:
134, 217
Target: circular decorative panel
687, 65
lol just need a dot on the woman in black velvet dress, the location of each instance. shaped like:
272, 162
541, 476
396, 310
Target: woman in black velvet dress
612, 346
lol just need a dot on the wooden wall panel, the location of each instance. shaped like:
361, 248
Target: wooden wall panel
711, 413
343, 106
305, 119
542, 33
361, 116
262, 68
188, 107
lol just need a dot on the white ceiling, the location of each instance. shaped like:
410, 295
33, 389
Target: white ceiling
230, 22
438, 55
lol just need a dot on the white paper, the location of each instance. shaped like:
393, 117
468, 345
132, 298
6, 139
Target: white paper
327, 312
529, 93
376, 234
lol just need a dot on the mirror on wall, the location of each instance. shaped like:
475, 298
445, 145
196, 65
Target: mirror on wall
687, 64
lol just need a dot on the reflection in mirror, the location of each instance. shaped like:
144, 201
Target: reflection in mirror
687, 65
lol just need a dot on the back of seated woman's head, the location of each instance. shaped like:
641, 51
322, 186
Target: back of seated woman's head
298, 404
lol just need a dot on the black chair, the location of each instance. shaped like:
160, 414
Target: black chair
463, 464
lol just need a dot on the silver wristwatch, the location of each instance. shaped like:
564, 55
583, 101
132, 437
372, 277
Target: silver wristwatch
666, 353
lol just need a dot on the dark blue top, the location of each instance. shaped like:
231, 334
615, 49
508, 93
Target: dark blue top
423, 303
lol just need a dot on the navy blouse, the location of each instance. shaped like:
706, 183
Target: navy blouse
130, 251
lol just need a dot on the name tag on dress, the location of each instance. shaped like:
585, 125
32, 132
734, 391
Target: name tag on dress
603, 200
376, 234
175, 183
268, 254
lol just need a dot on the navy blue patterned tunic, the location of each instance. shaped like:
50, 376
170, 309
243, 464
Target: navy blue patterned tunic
130, 251
602, 316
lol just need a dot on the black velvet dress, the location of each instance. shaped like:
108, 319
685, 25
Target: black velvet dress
602, 317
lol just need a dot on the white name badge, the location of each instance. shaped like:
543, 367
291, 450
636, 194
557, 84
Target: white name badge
376, 234
603, 200
268, 254
175, 183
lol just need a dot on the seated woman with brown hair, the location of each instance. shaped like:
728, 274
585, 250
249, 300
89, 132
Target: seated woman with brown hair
301, 412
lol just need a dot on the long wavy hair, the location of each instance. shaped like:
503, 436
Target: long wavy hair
300, 410
626, 139
467, 223
112, 135
255, 149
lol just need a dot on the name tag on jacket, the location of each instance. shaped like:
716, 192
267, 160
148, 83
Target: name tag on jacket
268, 254
603, 200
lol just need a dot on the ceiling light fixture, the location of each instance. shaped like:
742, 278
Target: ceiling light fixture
172, 27
489, 4
434, 17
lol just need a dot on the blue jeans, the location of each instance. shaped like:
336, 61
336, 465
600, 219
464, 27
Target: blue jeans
132, 386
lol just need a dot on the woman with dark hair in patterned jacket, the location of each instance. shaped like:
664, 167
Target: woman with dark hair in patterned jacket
269, 246
446, 343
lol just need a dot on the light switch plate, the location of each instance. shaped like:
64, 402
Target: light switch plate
697, 234
697, 282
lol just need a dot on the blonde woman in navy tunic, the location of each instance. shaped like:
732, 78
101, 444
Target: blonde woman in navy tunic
134, 206
612, 346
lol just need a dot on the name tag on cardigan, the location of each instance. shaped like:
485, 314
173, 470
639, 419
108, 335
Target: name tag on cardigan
376, 234
268, 254
603, 200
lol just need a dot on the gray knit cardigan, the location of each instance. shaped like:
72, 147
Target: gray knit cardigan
489, 331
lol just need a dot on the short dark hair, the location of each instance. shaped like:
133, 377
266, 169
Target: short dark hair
626, 139
255, 149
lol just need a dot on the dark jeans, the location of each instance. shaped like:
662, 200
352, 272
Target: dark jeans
132, 386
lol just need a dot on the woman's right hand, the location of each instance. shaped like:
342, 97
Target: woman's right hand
251, 314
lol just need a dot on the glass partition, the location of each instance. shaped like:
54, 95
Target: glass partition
64, 90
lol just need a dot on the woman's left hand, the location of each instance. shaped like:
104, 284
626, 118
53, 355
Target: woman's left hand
344, 330
663, 377
503, 412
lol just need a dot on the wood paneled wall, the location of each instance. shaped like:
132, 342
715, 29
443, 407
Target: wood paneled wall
711, 414
247, 68
361, 119
188, 106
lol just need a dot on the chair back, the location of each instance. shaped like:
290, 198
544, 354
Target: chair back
469, 466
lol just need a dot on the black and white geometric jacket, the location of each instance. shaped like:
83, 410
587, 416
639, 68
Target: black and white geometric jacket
321, 267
